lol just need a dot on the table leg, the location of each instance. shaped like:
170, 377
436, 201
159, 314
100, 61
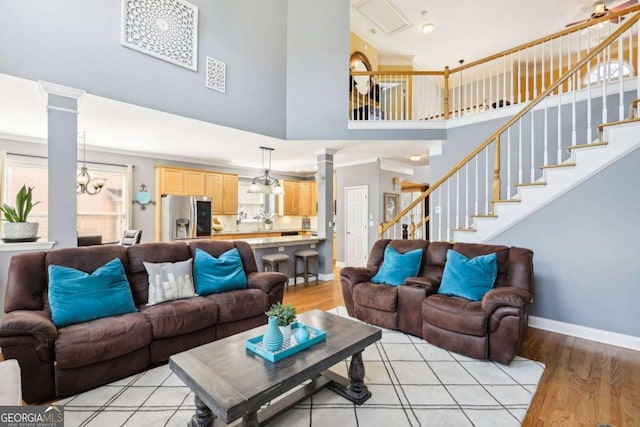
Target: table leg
357, 391
203, 417
250, 420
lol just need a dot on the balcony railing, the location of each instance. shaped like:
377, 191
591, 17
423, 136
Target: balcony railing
511, 77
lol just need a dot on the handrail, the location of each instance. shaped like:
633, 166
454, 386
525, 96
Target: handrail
496, 135
544, 39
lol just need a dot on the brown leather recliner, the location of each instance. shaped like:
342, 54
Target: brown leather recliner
489, 329
57, 362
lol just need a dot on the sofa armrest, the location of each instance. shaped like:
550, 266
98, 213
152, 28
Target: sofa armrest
512, 297
36, 324
430, 285
355, 275
268, 282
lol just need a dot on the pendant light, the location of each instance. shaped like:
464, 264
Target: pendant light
86, 184
265, 183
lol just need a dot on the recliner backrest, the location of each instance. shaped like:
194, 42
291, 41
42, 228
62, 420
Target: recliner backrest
131, 237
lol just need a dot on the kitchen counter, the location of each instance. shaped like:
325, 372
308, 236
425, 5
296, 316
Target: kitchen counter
236, 235
273, 242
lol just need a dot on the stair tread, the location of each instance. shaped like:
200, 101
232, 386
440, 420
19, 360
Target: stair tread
593, 144
560, 165
507, 201
465, 229
484, 216
531, 184
619, 122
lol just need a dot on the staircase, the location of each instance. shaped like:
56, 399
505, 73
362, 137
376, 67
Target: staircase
618, 140
538, 154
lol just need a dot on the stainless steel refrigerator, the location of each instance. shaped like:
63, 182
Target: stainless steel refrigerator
185, 217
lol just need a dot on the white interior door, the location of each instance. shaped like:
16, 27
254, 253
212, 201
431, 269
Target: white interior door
357, 212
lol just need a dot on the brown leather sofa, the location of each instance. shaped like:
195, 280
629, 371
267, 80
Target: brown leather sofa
60, 362
489, 329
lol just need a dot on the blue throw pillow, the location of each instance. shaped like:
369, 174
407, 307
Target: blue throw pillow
468, 278
76, 296
396, 267
221, 274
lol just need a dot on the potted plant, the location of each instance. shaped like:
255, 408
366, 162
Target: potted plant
16, 226
286, 315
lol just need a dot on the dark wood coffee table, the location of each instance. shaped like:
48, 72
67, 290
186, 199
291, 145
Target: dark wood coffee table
230, 381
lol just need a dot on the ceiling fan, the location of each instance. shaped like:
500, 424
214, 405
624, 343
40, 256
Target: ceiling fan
600, 10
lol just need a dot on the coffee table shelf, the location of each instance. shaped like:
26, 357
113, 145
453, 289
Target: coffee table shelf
288, 348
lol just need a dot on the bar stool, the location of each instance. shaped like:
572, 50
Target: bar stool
274, 261
305, 256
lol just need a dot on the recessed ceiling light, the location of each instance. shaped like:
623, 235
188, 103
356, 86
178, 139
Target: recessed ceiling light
415, 157
428, 28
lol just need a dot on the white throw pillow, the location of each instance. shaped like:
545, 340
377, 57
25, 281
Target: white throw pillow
170, 281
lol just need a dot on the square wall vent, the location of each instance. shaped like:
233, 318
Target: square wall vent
383, 15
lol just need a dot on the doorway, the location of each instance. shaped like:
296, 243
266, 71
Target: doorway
356, 230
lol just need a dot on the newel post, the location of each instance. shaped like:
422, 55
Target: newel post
446, 92
496, 170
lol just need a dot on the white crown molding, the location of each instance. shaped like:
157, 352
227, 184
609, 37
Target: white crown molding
356, 163
391, 166
592, 334
60, 90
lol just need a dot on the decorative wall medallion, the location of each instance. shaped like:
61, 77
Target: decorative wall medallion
166, 29
216, 74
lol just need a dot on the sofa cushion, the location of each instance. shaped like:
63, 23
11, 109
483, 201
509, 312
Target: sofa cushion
240, 304
468, 278
397, 266
76, 296
224, 273
102, 339
181, 316
380, 297
170, 281
455, 314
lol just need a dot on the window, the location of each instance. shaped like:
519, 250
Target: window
252, 204
607, 71
104, 214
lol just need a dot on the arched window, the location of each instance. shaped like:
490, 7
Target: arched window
607, 71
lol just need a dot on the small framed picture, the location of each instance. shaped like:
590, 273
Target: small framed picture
391, 204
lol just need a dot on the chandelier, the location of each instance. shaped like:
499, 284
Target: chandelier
265, 183
86, 184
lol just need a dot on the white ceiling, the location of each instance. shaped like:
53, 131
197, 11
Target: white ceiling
470, 30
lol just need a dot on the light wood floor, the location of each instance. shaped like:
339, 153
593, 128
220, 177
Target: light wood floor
584, 382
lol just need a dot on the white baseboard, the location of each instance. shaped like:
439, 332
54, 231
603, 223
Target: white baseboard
592, 334
321, 277
341, 264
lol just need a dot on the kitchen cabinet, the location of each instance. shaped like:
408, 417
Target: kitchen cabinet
291, 198
193, 183
300, 198
229, 194
170, 181
304, 198
223, 190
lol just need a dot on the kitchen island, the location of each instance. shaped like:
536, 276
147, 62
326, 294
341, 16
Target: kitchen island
284, 245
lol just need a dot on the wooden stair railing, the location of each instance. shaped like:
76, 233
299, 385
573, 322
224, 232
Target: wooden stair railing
464, 89
495, 138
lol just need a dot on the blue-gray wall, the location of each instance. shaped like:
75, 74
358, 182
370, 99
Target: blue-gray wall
77, 43
586, 251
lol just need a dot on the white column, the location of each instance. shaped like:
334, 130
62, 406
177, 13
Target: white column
62, 141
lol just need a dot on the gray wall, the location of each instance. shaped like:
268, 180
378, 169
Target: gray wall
586, 251
77, 43
283, 79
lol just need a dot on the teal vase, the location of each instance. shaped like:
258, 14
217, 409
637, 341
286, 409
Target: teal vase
272, 338
302, 334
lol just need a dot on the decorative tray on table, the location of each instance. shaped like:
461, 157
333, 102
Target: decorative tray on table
288, 347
